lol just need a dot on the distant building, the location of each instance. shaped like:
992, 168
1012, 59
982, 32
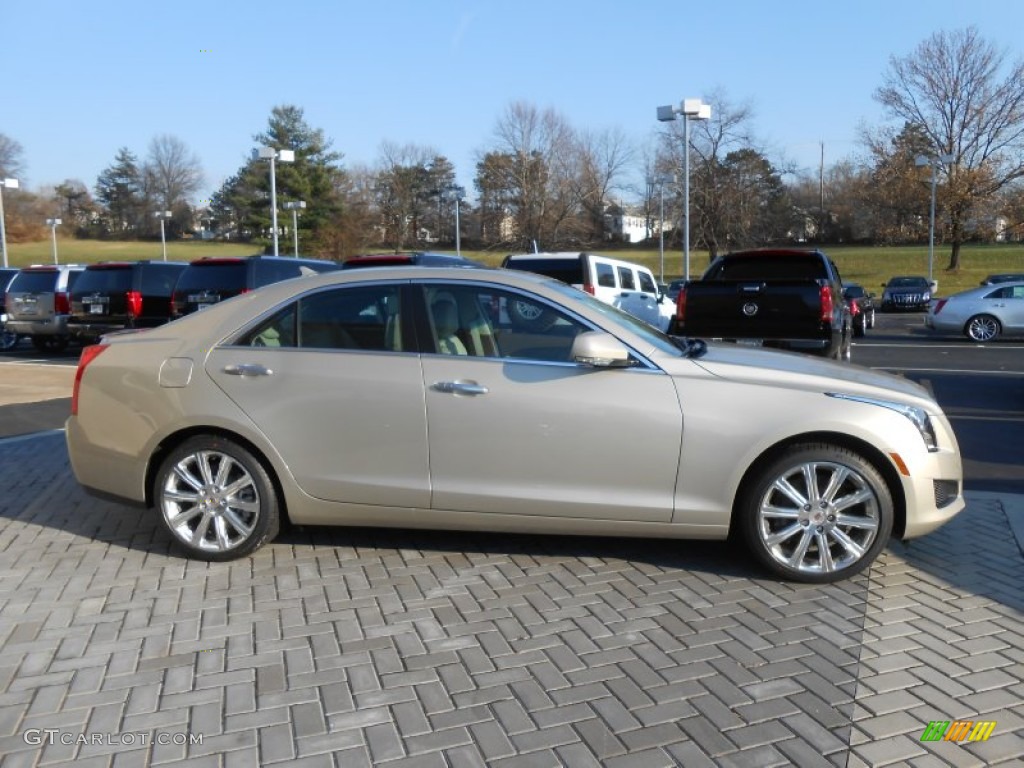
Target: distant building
631, 224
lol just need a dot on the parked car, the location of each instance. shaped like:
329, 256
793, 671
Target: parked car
114, 295
906, 292
673, 289
208, 281
862, 307
1006, 277
8, 339
980, 314
416, 258
357, 398
38, 304
623, 284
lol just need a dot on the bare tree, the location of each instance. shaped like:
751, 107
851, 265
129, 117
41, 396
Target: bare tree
11, 152
602, 159
173, 171
951, 86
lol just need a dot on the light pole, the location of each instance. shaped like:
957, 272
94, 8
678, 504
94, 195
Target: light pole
9, 184
52, 224
271, 154
163, 216
458, 192
294, 206
662, 181
933, 163
690, 109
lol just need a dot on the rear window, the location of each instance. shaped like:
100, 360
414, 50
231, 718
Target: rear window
105, 280
42, 281
160, 279
567, 270
762, 266
214, 276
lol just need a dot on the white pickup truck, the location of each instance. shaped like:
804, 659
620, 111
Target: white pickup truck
623, 284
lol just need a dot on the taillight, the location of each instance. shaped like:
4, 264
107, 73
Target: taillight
681, 305
589, 288
825, 296
133, 299
62, 303
89, 354
854, 308
939, 305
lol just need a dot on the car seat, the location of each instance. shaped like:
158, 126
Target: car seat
445, 313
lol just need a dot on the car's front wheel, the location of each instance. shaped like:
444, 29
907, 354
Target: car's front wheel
982, 328
817, 513
216, 499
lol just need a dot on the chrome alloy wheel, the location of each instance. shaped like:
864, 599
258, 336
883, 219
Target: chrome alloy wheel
982, 328
818, 517
210, 501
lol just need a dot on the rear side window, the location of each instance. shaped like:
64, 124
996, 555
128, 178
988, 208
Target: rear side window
104, 280
160, 279
34, 282
220, 276
605, 275
626, 279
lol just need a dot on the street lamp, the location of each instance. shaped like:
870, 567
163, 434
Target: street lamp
52, 224
9, 184
933, 163
163, 216
690, 109
271, 154
459, 193
294, 207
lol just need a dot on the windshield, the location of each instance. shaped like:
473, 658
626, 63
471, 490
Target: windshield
908, 282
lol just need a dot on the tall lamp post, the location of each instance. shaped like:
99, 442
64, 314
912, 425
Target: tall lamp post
163, 216
271, 154
690, 109
52, 224
295, 206
661, 182
8, 184
458, 193
933, 163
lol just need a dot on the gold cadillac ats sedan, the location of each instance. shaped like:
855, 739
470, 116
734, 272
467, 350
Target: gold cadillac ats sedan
495, 400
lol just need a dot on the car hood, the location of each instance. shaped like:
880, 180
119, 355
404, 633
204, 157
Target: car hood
793, 370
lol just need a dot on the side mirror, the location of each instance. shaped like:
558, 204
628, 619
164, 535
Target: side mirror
600, 350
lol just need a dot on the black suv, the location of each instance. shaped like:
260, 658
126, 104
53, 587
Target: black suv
416, 258
207, 281
113, 295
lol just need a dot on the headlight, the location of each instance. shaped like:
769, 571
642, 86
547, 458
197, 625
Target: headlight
927, 296
918, 416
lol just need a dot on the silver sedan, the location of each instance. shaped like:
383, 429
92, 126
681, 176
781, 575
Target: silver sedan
411, 397
980, 314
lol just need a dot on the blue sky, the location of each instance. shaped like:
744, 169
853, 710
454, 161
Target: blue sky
80, 80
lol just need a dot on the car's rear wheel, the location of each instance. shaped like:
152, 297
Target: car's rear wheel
216, 499
50, 343
859, 326
817, 513
982, 328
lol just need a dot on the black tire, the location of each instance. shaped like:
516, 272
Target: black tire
982, 328
859, 326
805, 535
216, 499
871, 320
8, 340
50, 343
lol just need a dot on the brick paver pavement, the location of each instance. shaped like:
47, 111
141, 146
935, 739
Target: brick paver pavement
339, 647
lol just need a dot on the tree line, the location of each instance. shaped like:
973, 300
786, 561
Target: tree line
956, 109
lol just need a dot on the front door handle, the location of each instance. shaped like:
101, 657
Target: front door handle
460, 388
247, 369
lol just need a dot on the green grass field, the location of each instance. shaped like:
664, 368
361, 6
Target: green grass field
866, 265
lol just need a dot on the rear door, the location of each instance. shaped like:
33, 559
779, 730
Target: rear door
329, 382
639, 295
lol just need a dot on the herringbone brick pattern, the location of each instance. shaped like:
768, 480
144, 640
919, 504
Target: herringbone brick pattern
360, 647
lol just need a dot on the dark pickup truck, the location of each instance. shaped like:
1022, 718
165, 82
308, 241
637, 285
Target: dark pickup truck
784, 298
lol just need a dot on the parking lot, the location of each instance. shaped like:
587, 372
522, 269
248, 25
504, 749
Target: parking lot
365, 647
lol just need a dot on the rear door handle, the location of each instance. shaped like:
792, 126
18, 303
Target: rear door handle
460, 388
247, 369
